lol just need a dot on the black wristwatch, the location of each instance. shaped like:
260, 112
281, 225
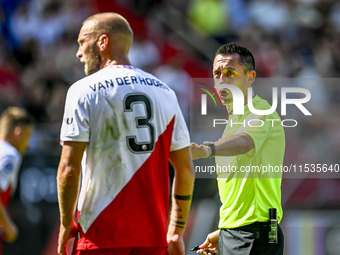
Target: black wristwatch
213, 149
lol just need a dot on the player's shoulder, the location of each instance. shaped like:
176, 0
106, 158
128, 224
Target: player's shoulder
151, 79
82, 87
7, 151
7, 147
133, 75
83, 84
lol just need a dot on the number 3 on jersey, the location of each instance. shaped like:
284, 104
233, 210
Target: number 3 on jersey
141, 122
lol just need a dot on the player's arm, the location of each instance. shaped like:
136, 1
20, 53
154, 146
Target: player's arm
8, 229
229, 146
68, 182
182, 190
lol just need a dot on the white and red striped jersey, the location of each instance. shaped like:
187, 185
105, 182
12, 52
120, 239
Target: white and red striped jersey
131, 121
10, 162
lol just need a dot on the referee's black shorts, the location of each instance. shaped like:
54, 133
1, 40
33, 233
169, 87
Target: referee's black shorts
249, 240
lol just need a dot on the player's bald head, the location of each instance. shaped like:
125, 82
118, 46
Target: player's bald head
112, 24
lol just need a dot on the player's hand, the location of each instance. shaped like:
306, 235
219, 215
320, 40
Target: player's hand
210, 243
199, 151
65, 234
9, 232
175, 244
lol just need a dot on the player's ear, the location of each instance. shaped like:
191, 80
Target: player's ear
17, 131
103, 42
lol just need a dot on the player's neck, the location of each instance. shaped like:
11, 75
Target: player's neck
118, 60
6, 138
12, 141
9, 139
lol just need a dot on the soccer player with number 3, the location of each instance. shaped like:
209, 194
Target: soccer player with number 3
121, 127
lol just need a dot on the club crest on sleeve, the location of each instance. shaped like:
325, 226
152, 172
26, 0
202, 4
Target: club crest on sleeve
69, 121
8, 168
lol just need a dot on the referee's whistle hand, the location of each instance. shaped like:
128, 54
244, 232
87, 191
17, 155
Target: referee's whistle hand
210, 245
199, 151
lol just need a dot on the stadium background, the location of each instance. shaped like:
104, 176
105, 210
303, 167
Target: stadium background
176, 41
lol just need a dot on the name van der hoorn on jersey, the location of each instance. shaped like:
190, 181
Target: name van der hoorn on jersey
127, 80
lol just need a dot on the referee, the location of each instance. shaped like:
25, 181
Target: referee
246, 197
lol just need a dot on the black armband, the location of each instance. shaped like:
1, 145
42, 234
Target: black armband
177, 222
187, 198
177, 226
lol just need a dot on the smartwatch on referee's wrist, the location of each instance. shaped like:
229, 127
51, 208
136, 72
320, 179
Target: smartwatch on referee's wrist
213, 149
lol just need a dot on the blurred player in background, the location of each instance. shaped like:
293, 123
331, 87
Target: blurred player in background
246, 197
121, 126
15, 130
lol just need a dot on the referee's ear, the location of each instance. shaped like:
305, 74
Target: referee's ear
251, 75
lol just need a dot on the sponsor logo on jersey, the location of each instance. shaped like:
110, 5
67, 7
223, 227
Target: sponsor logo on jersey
69, 121
9, 168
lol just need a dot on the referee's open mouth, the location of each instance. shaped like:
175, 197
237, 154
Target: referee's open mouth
224, 93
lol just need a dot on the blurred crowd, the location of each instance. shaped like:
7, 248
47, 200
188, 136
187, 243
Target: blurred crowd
175, 40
